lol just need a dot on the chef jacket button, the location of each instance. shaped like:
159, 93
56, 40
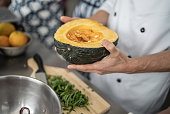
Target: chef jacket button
142, 29
115, 14
119, 80
130, 56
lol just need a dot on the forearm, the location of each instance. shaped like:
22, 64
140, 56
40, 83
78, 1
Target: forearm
159, 62
101, 16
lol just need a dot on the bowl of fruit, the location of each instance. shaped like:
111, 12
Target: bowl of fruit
13, 42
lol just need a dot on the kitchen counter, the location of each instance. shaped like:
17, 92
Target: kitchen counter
18, 66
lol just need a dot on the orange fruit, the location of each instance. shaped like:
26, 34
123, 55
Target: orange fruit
4, 41
17, 38
6, 28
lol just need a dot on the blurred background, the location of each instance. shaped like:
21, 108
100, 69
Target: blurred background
41, 18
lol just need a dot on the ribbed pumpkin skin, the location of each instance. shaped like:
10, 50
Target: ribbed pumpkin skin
79, 55
79, 41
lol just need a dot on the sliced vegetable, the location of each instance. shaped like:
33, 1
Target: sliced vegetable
68, 95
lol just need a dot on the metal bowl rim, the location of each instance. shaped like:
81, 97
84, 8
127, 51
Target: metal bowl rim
35, 81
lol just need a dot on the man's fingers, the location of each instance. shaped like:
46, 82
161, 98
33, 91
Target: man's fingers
94, 66
66, 19
110, 47
84, 69
80, 67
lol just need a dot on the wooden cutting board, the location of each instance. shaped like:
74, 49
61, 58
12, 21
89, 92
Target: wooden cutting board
97, 104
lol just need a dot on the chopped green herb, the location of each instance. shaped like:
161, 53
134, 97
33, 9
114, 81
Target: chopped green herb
87, 108
48, 77
68, 95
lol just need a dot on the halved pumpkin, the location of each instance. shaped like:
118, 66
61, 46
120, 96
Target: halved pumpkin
79, 41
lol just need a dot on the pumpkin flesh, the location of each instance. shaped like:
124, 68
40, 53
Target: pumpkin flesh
84, 28
79, 41
82, 34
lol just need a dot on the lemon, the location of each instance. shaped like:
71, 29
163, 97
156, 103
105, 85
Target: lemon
17, 38
4, 41
6, 28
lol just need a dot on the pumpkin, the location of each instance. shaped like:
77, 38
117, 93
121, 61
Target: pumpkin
79, 41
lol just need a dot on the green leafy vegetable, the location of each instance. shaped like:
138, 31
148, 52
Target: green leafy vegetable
69, 97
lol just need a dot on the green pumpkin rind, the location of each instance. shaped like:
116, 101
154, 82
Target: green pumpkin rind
73, 43
80, 55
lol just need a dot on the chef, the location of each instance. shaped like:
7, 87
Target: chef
136, 74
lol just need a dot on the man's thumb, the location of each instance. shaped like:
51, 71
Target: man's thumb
109, 46
66, 19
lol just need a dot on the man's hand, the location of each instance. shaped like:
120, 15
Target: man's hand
100, 16
116, 62
66, 19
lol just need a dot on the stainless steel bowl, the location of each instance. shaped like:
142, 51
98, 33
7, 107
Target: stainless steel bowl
14, 51
21, 95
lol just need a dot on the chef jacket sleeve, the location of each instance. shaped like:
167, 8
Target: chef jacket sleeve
108, 6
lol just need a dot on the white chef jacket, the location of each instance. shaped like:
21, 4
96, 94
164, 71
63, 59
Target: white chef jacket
143, 27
